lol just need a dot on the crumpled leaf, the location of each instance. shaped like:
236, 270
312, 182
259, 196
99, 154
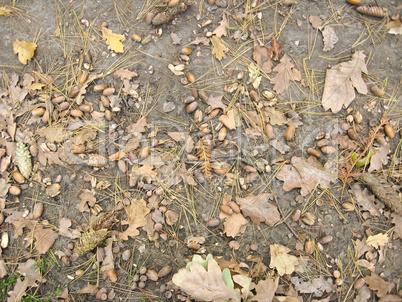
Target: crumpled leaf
262, 56
216, 102
139, 126
91, 289
281, 260
113, 40
303, 174
265, 290
145, 171
363, 294
3, 268
31, 273
125, 74
87, 198
259, 209
364, 199
379, 285
234, 224
64, 229
377, 240
315, 21
286, 72
44, 237
25, 50
54, 134
394, 27
280, 146
276, 48
136, 213
317, 286
218, 48
379, 158
175, 38
204, 284
340, 82
330, 38
397, 220
221, 29
276, 117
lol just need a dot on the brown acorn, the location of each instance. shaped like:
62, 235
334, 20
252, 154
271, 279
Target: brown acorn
38, 111
290, 132
190, 77
389, 131
186, 50
111, 273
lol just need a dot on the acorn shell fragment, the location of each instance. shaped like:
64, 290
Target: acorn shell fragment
23, 159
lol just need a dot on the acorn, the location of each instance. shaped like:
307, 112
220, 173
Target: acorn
14, 190
173, 3
108, 115
186, 50
389, 131
74, 91
58, 99
37, 210
254, 96
136, 38
226, 209
352, 134
355, 2
192, 106
269, 131
190, 77
152, 275
76, 113
46, 116
222, 134
108, 91
111, 273
38, 111
296, 215
348, 207
214, 112
359, 283
326, 239
234, 206
213, 222
308, 218
377, 91
322, 143
202, 95
18, 177
83, 77
164, 271
100, 87
314, 152
290, 132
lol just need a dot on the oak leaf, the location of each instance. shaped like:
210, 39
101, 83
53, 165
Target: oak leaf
259, 209
125, 74
318, 286
204, 283
221, 29
87, 198
276, 48
25, 50
341, 81
377, 240
218, 48
330, 38
286, 72
364, 199
216, 102
145, 171
113, 40
228, 119
281, 260
315, 21
136, 213
234, 224
44, 237
397, 220
265, 290
64, 229
379, 158
262, 56
363, 294
379, 285
138, 126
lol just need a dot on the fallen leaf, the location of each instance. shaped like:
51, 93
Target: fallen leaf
276, 117
221, 29
87, 198
64, 229
394, 27
397, 220
177, 69
363, 294
262, 56
390, 298
136, 213
108, 261
91, 289
25, 50
117, 156
364, 199
3, 269
379, 285
234, 224
216, 102
366, 264
138, 127
315, 21
317, 286
145, 171
125, 74
54, 134
176, 40
377, 240
286, 72
44, 237
281, 260
35, 86
113, 40
228, 120
265, 290
330, 38
276, 48
205, 284
218, 48
200, 40
280, 146
259, 209
379, 158
361, 247
341, 80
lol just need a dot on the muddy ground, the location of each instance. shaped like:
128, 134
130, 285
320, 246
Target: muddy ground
65, 31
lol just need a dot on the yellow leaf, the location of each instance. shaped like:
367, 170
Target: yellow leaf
36, 86
5, 11
377, 240
218, 48
25, 50
281, 260
113, 40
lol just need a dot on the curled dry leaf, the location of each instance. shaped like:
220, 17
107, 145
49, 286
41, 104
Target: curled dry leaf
138, 127
315, 21
64, 229
87, 198
317, 286
259, 209
377, 240
125, 74
341, 81
228, 119
364, 199
221, 29
262, 56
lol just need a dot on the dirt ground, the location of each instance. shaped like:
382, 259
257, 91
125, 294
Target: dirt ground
153, 153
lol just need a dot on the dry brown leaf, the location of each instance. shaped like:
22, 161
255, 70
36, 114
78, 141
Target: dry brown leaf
315, 21
397, 220
117, 156
3, 269
44, 237
54, 134
5, 11
234, 224
228, 119
330, 38
218, 48
259, 209
87, 198
176, 40
281, 260
286, 72
379, 158
262, 56
91, 289
377, 240
113, 40
265, 290
17, 219
25, 50
136, 213
379, 285
204, 284
31, 273
138, 127
363, 294
216, 102
64, 229
361, 248
276, 48
317, 286
145, 171
200, 40
132, 144
221, 29
108, 261
125, 74
364, 199
390, 298
276, 117
341, 81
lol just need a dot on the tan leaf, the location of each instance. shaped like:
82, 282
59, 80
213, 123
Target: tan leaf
125, 74
281, 260
216, 102
361, 248
340, 82
44, 237
276, 117
265, 290
286, 72
3, 269
25, 50
54, 134
117, 156
218, 48
175, 39
145, 171
276, 48
87, 198
379, 158
234, 224
113, 40
364, 199
377, 240
139, 126
132, 144
318, 286
262, 56
228, 120
259, 209
64, 229
89, 289
397, 220
363, 294
315, 21
379, 285
136, 213
221, 29
330, 38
